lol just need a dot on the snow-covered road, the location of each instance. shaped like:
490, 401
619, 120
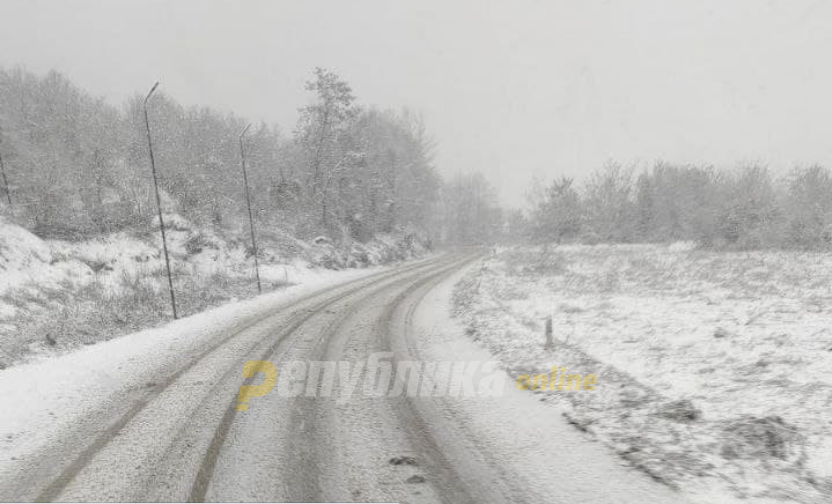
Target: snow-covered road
154, 418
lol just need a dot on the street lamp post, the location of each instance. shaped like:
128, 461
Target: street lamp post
159, 202
6, 181
248, 203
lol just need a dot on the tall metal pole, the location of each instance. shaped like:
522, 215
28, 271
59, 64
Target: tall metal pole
5, 180
6, 183
159, 202
250, 217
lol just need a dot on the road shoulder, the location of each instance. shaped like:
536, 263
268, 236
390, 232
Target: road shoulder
531, 439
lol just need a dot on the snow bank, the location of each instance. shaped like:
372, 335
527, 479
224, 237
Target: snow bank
47, 394
56, 295
26, 259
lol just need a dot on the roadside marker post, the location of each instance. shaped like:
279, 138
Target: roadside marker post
550, 344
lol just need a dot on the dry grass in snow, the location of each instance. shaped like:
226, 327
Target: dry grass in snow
714, 369
58, 295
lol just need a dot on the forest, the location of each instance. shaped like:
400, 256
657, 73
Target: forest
75, 166
738, 208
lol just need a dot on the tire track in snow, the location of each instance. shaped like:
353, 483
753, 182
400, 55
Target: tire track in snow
324, 338
54, 489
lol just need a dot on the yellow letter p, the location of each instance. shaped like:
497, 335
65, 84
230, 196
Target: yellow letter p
248, 391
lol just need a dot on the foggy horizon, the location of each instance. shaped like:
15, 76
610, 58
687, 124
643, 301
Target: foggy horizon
718, 83
416, 252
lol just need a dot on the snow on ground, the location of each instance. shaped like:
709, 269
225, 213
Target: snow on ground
26, 259
714, 368
534, 446
56, 295
47, 394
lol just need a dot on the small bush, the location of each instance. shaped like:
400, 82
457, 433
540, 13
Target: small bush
758, 438
196, 243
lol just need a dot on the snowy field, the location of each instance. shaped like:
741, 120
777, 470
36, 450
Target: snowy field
714, 368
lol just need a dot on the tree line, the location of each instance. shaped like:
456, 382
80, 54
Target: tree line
78, 166
741, 208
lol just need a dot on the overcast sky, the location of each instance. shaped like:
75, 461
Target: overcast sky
512, 88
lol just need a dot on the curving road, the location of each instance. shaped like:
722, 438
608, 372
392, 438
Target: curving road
180, 438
